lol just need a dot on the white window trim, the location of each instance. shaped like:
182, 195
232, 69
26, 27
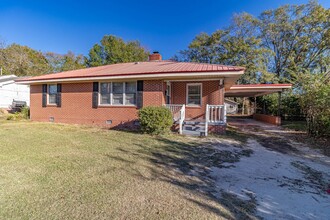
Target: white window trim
111, 94
201, 95
48, 85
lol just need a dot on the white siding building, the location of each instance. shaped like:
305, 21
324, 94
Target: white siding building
10, 91
231, 106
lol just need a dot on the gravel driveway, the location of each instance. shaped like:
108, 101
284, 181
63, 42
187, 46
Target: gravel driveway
270, 175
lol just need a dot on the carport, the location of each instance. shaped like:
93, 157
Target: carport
255, 90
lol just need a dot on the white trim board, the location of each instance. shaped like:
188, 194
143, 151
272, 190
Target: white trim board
140, 76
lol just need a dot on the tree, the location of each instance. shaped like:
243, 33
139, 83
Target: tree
69, 61
298, 36
237, 45
113, 49
283, 41
315, 102
22, 61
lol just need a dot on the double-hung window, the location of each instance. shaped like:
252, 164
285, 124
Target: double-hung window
105, 93
194, 94
118, 93
130, 93
52, 93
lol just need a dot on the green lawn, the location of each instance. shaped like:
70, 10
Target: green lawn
295, 125
54, 171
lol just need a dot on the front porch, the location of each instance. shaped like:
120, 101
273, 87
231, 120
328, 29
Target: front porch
214, 120
197, 106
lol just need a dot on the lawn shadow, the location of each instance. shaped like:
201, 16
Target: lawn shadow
187, 165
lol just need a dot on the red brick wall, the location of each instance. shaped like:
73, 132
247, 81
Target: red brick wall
153, 93
275, 120
217, 129
77, 108
77, 103
211, 94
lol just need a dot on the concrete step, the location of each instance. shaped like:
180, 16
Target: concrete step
191, 133
193, 128
194, 122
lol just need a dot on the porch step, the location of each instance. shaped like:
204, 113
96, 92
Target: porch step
191, 133
194, 122
193, 128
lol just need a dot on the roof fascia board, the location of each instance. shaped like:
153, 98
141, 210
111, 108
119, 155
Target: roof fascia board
249, 88
145, 76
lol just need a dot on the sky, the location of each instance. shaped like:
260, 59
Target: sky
165, 26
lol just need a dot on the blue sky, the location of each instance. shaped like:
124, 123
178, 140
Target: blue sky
165, 26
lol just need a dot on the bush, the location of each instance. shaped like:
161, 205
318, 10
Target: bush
155, 120
23, 114
11, 117
316, 104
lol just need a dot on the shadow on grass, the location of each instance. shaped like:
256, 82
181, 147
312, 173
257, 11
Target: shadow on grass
187, 165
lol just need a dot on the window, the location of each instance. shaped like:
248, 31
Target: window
52, 93
118, 93
105, 91
194, 94
130, 93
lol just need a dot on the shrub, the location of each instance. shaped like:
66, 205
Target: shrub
155, 120
316, 104
11, 117
23, 114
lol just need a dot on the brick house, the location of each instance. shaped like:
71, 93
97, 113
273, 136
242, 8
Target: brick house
111, 95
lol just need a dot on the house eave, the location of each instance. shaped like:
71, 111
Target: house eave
167, 76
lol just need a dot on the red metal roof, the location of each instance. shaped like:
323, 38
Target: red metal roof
138, 68
260, 85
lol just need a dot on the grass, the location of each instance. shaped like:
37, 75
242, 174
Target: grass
295, 125
55, 171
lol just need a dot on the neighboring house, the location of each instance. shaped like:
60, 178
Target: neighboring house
231, 106
10, 90
111, 95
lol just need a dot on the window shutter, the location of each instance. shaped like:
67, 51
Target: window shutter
139, 95
95, 94
44, 95
59, 95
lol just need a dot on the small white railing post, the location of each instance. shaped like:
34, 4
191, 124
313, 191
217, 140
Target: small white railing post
207, 120
224, 115
178, 112
182, 117
216, 114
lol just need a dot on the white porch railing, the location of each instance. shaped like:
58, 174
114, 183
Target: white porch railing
215, 114
178, 112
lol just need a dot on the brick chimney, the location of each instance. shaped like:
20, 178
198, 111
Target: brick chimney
155, 56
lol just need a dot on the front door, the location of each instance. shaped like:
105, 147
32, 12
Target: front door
168, 93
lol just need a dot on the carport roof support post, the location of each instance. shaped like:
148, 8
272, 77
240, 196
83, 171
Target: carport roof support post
279, 104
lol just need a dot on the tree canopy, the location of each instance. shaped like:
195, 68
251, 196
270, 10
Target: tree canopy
113, 50
274, 47
25, 61
69, 61
22, 61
